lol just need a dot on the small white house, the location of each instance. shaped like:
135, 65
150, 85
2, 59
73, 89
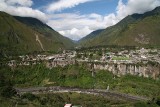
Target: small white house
144, 57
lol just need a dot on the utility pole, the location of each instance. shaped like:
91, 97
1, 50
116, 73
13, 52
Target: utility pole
108, 87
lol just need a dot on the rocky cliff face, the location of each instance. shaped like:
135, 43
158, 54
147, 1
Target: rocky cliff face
55, 63
144, 70
133, 69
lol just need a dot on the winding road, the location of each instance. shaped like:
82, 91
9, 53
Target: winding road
58, 89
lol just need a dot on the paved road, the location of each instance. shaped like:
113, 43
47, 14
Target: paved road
58, 89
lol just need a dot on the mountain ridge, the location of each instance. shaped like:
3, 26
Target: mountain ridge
90, 36
44, 29
17, 37
131, 31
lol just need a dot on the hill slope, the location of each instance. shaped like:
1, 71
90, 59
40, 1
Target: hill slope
89, 37
46, 31
134, 30
16, 37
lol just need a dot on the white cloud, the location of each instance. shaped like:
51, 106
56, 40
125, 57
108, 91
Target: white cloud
76, 26
21, 8
75, 33
63, 4
110, 19
135, 6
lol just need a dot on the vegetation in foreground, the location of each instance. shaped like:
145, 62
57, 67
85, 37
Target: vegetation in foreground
80, 76
72, 76
59, 100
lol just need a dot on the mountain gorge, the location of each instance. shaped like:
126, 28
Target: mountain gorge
23, 35
133, 30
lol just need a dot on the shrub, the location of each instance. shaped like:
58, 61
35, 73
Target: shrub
29, 96
158, 101
8, 91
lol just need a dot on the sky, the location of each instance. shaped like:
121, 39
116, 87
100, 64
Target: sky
77, 18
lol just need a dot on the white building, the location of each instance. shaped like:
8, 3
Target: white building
68, 105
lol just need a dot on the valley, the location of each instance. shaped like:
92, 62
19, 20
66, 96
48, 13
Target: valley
113, 66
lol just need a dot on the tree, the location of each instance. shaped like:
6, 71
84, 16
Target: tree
8, 91
91, 56
158, 101
6, 87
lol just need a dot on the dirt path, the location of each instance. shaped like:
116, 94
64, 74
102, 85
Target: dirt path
57, 89
37, 39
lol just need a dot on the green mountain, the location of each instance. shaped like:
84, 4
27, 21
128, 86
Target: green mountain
134, 30
18, 36
90, 36
46, 31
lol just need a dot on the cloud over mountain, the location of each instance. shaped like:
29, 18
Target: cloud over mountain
76, 25
82, 25
22, 8
135, 6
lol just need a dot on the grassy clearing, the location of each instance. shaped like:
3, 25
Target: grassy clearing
120, 58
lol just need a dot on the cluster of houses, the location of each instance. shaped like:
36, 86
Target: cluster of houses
126, 56
54, 60
139, 62
69, 57
121, 62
